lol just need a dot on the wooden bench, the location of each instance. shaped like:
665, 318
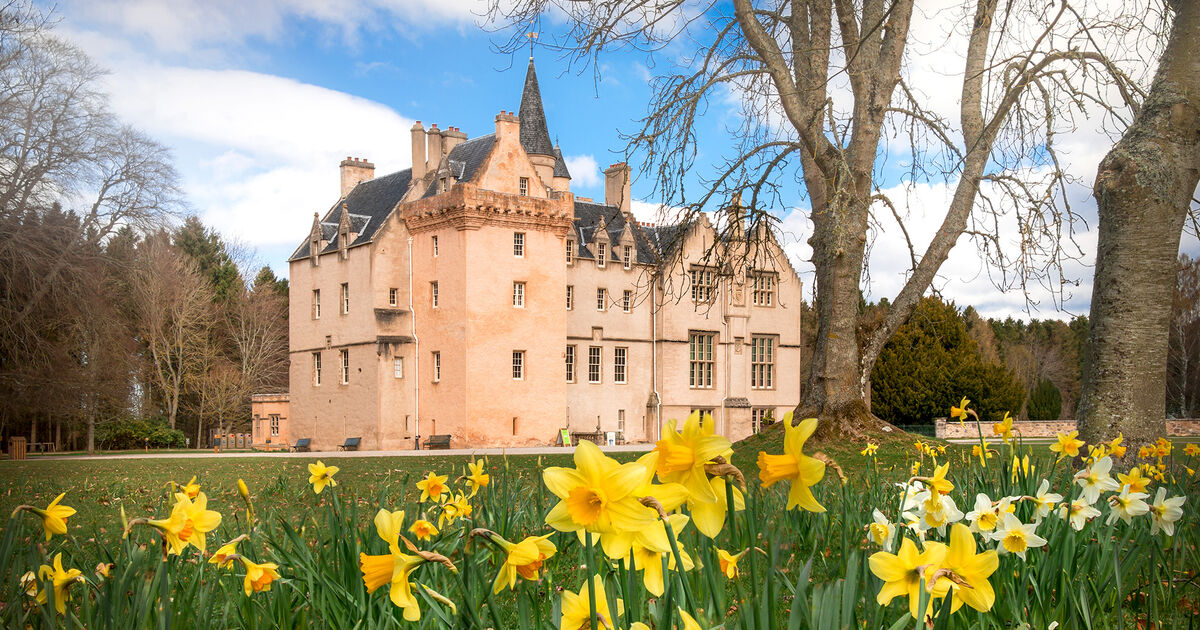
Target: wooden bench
303, 444
437, 441
351, 444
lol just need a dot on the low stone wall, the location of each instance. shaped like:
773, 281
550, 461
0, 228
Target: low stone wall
951, 429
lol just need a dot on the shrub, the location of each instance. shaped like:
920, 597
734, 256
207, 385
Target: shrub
1045, 401
133, 433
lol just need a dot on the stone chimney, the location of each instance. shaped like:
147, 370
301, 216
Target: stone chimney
616, 186
418, 151
507, 125
354, 171
434, 146
451, 138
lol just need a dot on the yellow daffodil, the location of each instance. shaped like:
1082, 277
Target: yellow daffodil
191, 488
869, 451
54, 517
321, 475
60, 579
1144, 452
597, 495
393, 567
1096, 452
259, 576
1164, 512
243, 491
522, 559
1116, 447
709, 518
1191, 450
1004, 428
1135, 480
650, 561
222, 557
576, 607
729, 561
1016, 537
1163, 447
972, 568
423, 529
916, 469
189, 522
477, 479
794, 466
433, 487
105, 569
454, 509
1021, 467
682, 455
902, 573
939, 482
960, 412
1067, 444
982, 453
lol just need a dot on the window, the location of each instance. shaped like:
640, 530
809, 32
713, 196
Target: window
570, 252
620, 420
344, 355
627, 257
445, 184
620, 357
433, 294
593, 364
570, 297
761, 418
316, 305
702, 284
700, 359
764, 289
314, 246
762, 362
345, 298
600, 299
274, 424
437, 366
570, 357
627, 301
397, 367
524, 186
518, 365
393, 297
434, 242
518, 244
316, 368
519, 295
601, 253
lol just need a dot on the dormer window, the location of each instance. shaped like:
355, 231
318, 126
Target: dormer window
601, 254
315, 251
627, 257
524, 187
445, 185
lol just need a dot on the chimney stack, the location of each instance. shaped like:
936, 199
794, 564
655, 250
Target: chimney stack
616, 186
434, 146
353, 172
418, 151
451, 138
506, 124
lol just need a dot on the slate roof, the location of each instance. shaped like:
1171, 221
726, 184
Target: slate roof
535, 137
465, 159
560, 165
587, 219
369, 205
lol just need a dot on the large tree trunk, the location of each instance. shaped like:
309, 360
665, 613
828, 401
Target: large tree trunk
1143, 189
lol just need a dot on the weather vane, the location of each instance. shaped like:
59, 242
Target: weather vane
532, 36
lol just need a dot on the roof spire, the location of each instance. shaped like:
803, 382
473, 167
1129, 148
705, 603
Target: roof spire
535, 137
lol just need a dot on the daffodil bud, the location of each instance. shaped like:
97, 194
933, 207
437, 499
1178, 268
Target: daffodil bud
243, 490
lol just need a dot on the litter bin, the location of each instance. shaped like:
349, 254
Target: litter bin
16, 447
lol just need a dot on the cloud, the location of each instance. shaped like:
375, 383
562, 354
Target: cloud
585, 172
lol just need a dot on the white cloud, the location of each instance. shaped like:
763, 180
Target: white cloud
585, 172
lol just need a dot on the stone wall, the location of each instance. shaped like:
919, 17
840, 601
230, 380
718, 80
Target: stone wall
951, 429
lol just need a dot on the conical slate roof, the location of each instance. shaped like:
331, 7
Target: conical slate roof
535, 137
560, 165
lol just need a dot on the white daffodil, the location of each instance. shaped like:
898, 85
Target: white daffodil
1164, 512
1016, 537
936, 511
1045, 501
1095, 479
1078, 512
984, 518
1127, 505
882, 532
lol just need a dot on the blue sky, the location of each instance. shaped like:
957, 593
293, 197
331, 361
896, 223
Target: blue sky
260, 99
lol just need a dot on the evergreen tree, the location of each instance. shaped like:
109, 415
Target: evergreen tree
266, 280
206, 249
1045, 401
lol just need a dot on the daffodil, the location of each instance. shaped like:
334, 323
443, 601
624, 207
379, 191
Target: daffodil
321, 475
433, 487
794, 466
1067, 445
60, 579
1126, 505
1017, 537
191, 488
1020, 467
1191, 450
393, 567
869, 451
981, 451
881, 531
1116, 447
970, 567
222, 557
937, 511
960, 412
477, 479
650, 561
710, 517
597, 495
1044, 501
54, 517
683, 455
259, 576
902, 573
104, 570
522, 559
985, 517
729, 561
1078, 512
1095, 479
1004, 428
189, 522
576, 607
1144, 452
29, 584
1096, 451
243, 491
1163, 447
938, 482
1135, 480
454, 509
1164, 512
423, 529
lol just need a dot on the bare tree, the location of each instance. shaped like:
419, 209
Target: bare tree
259, 332
824, 94
1144, 188
1183, 353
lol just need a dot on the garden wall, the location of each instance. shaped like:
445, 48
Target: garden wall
951, 429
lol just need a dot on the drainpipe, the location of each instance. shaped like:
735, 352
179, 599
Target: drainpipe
412, 317
728, 358
654, 362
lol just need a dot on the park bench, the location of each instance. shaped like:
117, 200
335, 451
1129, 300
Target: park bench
351, 444
303, 444
437, 441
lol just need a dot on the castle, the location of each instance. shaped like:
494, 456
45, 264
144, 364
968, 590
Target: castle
475, 296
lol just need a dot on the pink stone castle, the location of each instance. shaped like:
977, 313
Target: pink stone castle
474, 296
